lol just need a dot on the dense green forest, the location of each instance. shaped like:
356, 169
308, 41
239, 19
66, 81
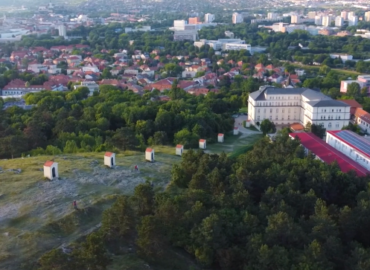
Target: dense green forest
272, 208
113, 119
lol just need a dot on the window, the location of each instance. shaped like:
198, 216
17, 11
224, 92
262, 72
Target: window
258, 110
329, 125
270, 110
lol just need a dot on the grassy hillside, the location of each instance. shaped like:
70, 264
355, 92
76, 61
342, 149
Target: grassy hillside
37, 214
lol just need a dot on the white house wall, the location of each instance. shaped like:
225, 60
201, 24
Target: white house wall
348, 150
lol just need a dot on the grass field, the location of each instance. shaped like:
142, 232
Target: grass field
234, 145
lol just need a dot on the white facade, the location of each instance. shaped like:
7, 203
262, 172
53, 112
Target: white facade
272, 16
350, 15
179, 149
295, 19
110, 159
220, 138
202, 144
236, 131
359, 152
285, 106
237, 18
208, 18
339, 21
326, 20
93, 86
353, 21
318, 20
344, 57
51, 170
149, 154
62, 30
344, 15
367, 16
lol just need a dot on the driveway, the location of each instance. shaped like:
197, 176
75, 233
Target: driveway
239, 123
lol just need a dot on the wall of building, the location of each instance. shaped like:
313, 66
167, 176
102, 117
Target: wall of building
348, 150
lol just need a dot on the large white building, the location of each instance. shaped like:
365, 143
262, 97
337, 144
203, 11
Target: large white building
295, 19
318, 20
272, 16
353, 21
62, 29
285, 106
208, 18
237, 18
351, 144
228, 44
367, 16
339, 21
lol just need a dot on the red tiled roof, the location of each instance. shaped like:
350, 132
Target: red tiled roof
364, 115
202, 140
49, 163
353, 103
327, 153
220, 134
108, 154
149, 150
179, 146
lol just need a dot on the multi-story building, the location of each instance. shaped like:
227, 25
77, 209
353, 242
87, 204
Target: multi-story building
326, 20
344, 15
295, 19
272, 16
209, 18
311, 14
367, 16
339, 21
237, 18
62, 30
351, 144
350, 15
286, 106
228, 45
362, 80
194, 20
353, 21
318, 20
327, 153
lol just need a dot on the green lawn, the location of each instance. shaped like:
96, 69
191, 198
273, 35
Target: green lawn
234, 144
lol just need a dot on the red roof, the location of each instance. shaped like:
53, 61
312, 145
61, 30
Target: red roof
220, 134
179, 146
149, 150
202, 140
236, 128
108, 154
49, 163
355, 138
328, 154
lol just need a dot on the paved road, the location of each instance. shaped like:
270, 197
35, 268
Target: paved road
239, 123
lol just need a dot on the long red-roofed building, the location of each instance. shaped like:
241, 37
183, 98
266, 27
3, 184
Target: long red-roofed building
327, 153
352, 145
